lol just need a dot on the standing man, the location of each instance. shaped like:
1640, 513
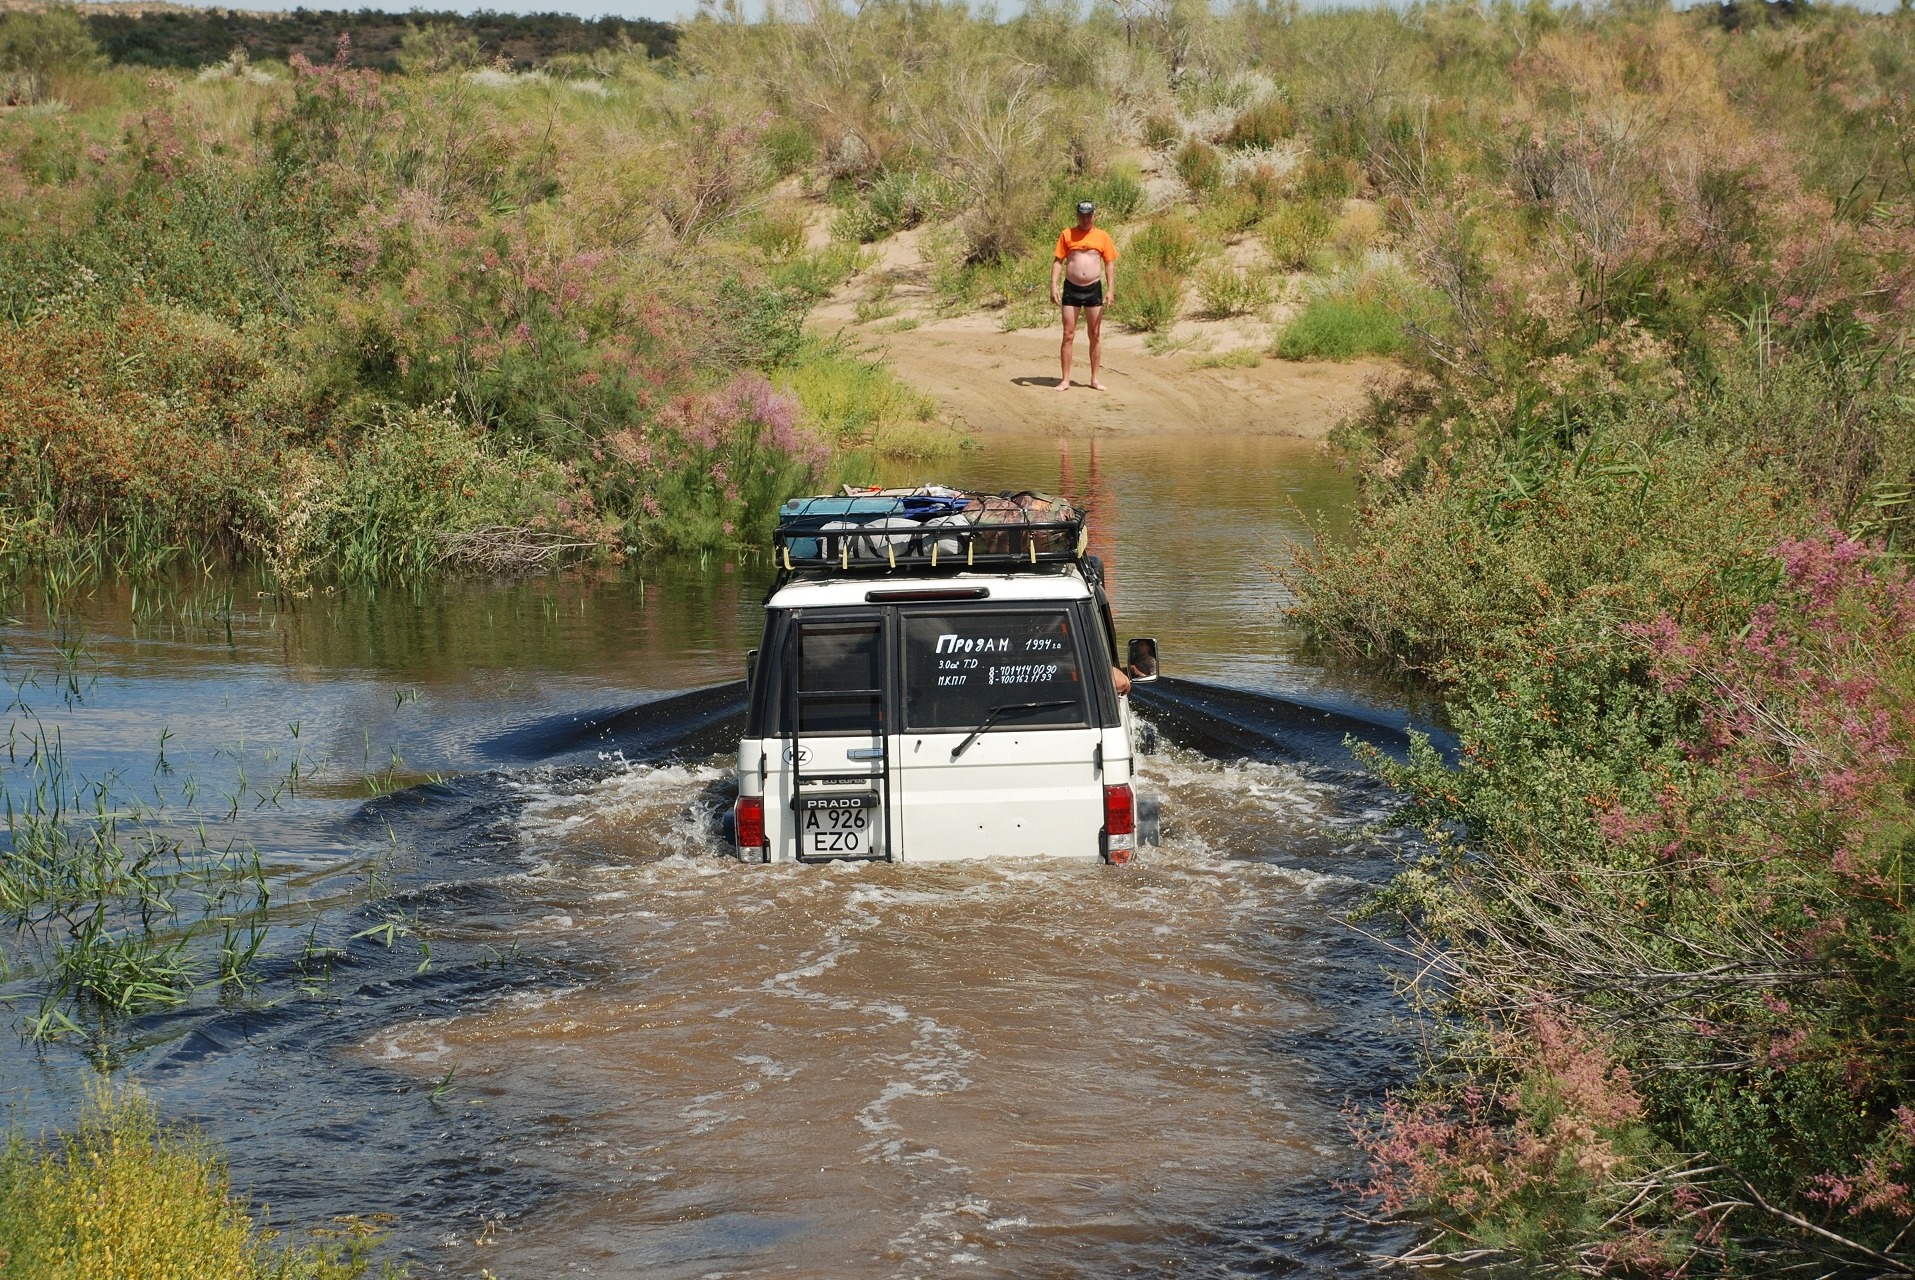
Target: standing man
1087, 262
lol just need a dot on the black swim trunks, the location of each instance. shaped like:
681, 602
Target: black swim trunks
1084, 295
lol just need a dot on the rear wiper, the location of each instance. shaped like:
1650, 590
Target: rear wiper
1005, 709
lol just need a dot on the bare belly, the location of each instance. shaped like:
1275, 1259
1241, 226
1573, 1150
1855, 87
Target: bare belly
1086, 266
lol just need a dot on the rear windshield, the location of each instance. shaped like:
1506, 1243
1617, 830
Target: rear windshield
959, 666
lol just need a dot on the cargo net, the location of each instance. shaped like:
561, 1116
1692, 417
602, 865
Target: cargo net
927, 527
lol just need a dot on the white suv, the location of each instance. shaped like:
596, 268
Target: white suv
939, 684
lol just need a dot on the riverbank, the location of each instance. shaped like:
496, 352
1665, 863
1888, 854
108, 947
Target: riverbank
1640, 512
995, 382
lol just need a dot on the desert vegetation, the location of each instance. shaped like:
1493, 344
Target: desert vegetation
124, 1195
1637, 509
355, 324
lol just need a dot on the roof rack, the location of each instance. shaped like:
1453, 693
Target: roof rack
927, 528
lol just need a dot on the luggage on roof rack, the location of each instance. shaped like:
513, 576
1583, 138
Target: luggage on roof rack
926, 527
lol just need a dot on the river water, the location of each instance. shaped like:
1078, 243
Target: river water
514, 994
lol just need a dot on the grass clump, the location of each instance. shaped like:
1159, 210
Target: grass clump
1226, 291
1228, 214
1161, 130
1118, 194
1199, 165
1327, 178
1150, 300
1264, 123
1341, 327
865, 409
789, 147
1294, 233
896, 202
125, 1197
1170, 244
1239, 358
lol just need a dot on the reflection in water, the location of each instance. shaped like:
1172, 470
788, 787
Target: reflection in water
1194, 533
658, 1062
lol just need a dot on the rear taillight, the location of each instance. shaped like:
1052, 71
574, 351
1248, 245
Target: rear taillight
1120, 822
748, 818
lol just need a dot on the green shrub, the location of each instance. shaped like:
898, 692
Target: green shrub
139, 435
1262, 124
1227, 215
1020, 285
1161, 131
788, 147
876, 303
1149, 300
38, 47
1200, 167
436, 47
1264, 186
123, 1196
1341, 328
1659, 660
1118, 194
1226, 291
1171, 244
710, 474
1293, 233
1326, 178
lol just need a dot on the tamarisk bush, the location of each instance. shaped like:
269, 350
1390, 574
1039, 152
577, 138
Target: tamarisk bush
1670, 917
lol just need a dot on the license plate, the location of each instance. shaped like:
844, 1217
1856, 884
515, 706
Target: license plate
837, 826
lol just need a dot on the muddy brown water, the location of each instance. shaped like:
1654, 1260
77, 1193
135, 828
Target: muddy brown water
627, 1055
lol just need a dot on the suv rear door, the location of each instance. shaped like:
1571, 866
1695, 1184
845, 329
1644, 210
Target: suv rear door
1029, 784
829, 762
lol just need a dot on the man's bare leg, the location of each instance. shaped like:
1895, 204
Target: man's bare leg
1064, 353
1094, 321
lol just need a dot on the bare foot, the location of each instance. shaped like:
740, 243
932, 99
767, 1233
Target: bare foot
1063, 384
1098, 386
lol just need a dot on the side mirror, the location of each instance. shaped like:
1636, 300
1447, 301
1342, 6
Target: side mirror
751, 674
1142, 660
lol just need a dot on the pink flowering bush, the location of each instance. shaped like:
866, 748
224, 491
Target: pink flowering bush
551, 300
1670, 917
714, 468
1548, 1160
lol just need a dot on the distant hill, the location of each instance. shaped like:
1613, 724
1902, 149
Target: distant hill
180, 37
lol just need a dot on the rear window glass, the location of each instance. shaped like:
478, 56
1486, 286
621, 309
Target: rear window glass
958, 666
840, 673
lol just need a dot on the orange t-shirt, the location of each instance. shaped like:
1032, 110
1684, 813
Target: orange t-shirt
1096, 238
